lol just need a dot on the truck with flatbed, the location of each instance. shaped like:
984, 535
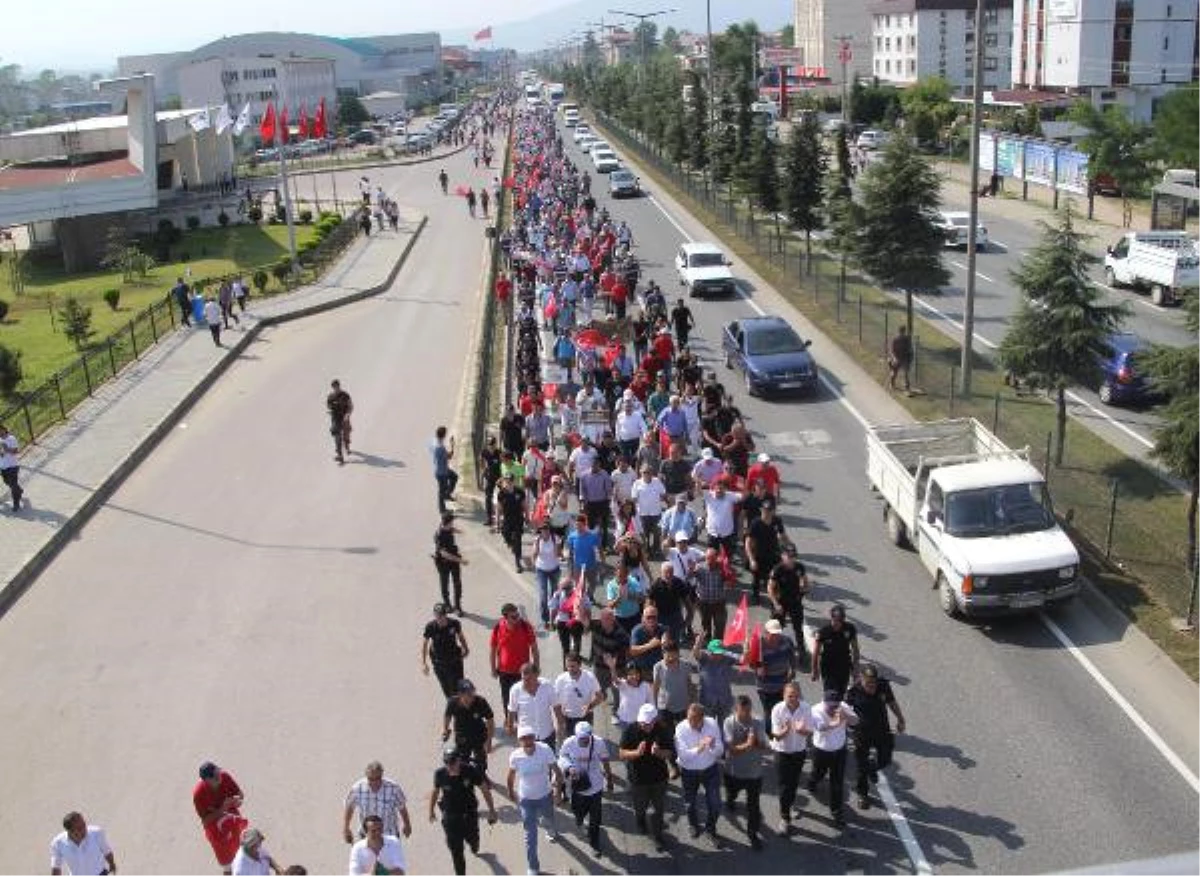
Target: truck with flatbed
976, 512
1164, 263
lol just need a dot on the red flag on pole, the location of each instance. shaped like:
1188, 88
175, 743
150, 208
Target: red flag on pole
485, 34
754, 647
319, 126
302, 130
283, 125
266, 128
735, 629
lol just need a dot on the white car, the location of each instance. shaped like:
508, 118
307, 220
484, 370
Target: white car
870, 139
571, 118
956, 225
588, 142
605, 160
581, 131
704, 270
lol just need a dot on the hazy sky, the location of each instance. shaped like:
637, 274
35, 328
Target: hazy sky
80, 35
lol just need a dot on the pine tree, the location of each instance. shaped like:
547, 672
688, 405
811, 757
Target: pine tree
804, 179
1061, 329
900, 243
762, 177
697, 116
843, 219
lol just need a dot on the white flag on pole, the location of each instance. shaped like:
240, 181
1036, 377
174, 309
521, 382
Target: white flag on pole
243, 119
224, 119
199, 121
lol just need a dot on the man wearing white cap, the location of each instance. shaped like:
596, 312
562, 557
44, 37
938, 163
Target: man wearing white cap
645, 748
583, 758
530, 768
251, 858
706, 469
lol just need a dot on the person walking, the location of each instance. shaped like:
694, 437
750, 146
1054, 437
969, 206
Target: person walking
218, 800
711, 588
787, 587
444, 180
340, 407
773, 658
546, 559
745, 743
377, 852
373, 795
512, 644
212, 318
484, 198
530, 769
645, 747
225, 299
570, 613
683, 322
790, 728
468, 717
444, 645
900, 353
471, 202
448, 560
446, 477
252, 858
765, 542
510, 499
835, 651
183, 299
871, 697
10, 465
699, 747
81, 849
577, 692
531, 704
584, 761
672, 683
454, 785
715, 667
831, 720
489, 465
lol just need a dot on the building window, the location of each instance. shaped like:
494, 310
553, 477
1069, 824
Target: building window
879, 44
912, 65
876, 67
989, 64
887, 66
1166, 43
989, 40
912, 42
887, 43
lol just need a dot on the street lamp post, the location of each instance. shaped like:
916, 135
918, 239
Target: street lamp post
641, 17
973, 213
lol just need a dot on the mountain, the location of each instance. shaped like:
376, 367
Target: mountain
548, 28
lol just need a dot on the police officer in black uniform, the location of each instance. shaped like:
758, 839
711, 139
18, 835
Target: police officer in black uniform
835, 655
443, 645
454, 793
871, 697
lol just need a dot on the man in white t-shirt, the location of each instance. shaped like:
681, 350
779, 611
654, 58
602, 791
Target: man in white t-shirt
789, 728
623, 478
531, 704
81, 849
720, 517
631, 426
582, 459
252, 859
706, 469
530, 768
577, 692
10, 465
376, 852
649, 495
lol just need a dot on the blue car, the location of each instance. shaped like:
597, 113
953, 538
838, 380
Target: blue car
1121, 381
770, 355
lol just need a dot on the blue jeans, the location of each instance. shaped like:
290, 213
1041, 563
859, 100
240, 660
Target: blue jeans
547, 583
530, 809
710, 779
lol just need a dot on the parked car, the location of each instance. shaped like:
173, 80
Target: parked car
871, 139
582, 131
770, 354
588, 142
704, 269
623, 184
956, 225
364, 137
571, 118
605, 160
1121, 379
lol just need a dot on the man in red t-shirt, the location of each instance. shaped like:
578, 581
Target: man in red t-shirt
503, 292
763, 470
512, 645
217, 799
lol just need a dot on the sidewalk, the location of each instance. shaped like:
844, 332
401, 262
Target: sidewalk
74, 468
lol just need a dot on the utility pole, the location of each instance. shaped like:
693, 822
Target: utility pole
973, 213
844, 55
641, 17
712, 94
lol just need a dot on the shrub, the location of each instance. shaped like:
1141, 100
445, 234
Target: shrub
112, 297
306, 216
254, 214
260, 280
10, 370
223, 219
280, 214
193, 222
282, 270
76, 320
3, 310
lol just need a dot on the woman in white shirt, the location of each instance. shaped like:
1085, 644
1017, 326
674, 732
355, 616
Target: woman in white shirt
547, 567
635, 692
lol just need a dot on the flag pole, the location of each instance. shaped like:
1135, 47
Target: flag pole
287, 192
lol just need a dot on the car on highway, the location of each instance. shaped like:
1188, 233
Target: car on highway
871, 139
772, 357
704, 270
623, 184
571, 118
588, 142
956, 226
1121, 379
582, 131
605, 160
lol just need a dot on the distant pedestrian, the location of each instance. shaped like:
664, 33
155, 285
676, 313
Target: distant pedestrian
240, 293
448, 560
10, 465
900, 353
530, 769
218, 800
212, 316
225, 299
183, 298
510, 502
81, 849
483, 201
374, 795
377, 852
471, 202
446, 477
443, 645
339, 405
252, 859
454, 787
871, 698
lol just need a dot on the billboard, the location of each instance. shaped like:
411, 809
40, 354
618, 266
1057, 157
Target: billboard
1039, 163
1008, 156
1072, 173
987, 151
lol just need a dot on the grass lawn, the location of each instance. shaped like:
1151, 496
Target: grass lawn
1145, 571
212, 252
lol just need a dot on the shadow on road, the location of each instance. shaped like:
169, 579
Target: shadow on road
357, 457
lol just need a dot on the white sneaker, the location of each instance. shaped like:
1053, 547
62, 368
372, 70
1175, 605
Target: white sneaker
551, 838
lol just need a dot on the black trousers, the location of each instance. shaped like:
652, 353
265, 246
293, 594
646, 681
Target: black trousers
833, 764
835, 676
512, 533
449, 675
788, 766
753, 788
598, 514
650, 797
446, 572
461, 831
507, 680
570, 636
12, 477
712, 619
590, 807
883, 744
489, 499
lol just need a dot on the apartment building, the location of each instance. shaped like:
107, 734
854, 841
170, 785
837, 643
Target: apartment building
915, 39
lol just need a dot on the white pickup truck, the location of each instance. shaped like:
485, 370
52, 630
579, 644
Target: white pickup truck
1165, 262
976, 512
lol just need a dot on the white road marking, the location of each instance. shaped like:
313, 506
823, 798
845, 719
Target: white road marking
903, 830
1123, 704
978, 273
1080, 400
803, 444
922, 303
1145, 302
994, 242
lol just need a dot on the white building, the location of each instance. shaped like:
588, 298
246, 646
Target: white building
259, 80
915, 39
1113, 51
821, 28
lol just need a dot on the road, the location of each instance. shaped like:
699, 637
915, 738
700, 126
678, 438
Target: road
243, 599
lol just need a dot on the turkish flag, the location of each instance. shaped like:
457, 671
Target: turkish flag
266, 128
303, 126
320, 128
735, 629
283, 129
485, 34
727, 573
754, 648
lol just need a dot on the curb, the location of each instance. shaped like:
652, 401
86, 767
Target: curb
16, 587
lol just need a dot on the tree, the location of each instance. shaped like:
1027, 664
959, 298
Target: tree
119, 252
350, 112
670, 41
841, 151
843, 216
787, 36
697, 123
901, 246
872, 104
927, 108
11, 372
1175, 126
1176, 373
76, 322
1120, 148
1061, 329
804, 188
762, 172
